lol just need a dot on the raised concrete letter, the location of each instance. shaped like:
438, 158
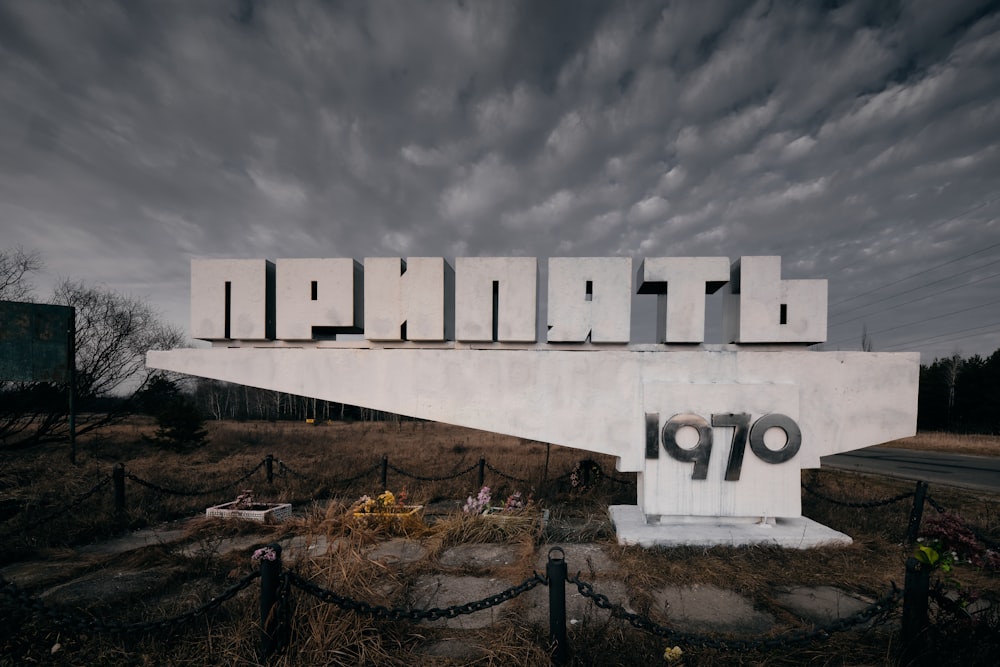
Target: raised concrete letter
589, 296
318, 298
411, 300
760, 307
232, 299
680, 315
496, 299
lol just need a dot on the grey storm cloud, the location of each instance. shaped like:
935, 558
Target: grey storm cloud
859, 140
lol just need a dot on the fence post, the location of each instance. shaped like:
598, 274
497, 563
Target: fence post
269, 467
915, 590
270, 584
916, 512
555, 572
482, 471
118, 479
385, 472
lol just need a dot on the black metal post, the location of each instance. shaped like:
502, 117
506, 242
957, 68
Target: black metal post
916, 512
556, 571
482, 471
118, 480
269, 467
915, 590
270, 585
385, 472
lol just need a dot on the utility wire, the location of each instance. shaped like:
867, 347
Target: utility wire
935, 226
920, 298
913, 275
921, 321
946, 336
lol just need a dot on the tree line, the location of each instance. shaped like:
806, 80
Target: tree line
960, 395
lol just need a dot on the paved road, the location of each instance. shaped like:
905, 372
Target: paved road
980, 473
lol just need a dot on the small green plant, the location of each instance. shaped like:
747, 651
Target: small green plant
180, 426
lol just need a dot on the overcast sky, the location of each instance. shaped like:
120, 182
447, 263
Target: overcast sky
860, 142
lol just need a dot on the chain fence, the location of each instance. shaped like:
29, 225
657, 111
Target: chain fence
878, 611
863, 504
424, 478
48, 518
89, 625
407, 614
203, 492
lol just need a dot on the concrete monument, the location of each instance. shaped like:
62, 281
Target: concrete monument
716, 432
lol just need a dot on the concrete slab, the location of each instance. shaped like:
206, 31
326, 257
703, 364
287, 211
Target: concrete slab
702, 608
479, 556
793, 533
454, 648
438, 590
40, 573
578, 608
819, 604
106, 587
137, 540
398, 551
590, 560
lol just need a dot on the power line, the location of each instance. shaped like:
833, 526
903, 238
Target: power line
946, 336
921, 321
913, 275
939, 224
926, 296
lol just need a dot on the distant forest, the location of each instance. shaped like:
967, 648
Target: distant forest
960, 395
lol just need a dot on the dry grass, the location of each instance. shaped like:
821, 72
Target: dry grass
42, 482
950, 443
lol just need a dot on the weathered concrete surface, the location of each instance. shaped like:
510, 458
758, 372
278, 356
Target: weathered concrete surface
439, 590
819, 604
479, 556
590, 560
701, 608
398, 551
107, 587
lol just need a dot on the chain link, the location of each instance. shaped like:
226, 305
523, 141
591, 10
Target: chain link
867, 504
987, 542
367, 471
90, 625
505, 475
206, 492
432, 479
35, 523
879, 608
399, 614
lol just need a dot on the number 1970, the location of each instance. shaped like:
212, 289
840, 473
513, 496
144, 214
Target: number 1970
743, 431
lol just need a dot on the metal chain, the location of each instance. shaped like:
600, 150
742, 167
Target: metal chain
399, 614
987, 542
868, 504
90, 625
206, 492
505, 475
35, 523
878, 608
345, 480
432, 479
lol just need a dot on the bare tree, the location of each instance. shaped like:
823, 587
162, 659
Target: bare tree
15, 265
113, 333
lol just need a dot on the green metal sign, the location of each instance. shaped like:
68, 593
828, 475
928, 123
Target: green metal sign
36, 342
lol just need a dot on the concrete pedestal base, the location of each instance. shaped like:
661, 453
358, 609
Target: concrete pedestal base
632, 527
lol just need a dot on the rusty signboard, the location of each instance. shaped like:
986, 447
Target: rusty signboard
36, 342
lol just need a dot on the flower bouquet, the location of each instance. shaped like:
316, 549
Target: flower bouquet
387, 509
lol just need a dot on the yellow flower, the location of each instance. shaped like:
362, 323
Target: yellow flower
673, 654
387, 499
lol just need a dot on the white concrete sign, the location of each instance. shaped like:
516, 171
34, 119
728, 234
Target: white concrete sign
716, 432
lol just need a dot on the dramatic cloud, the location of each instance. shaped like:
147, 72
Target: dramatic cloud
860, 142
